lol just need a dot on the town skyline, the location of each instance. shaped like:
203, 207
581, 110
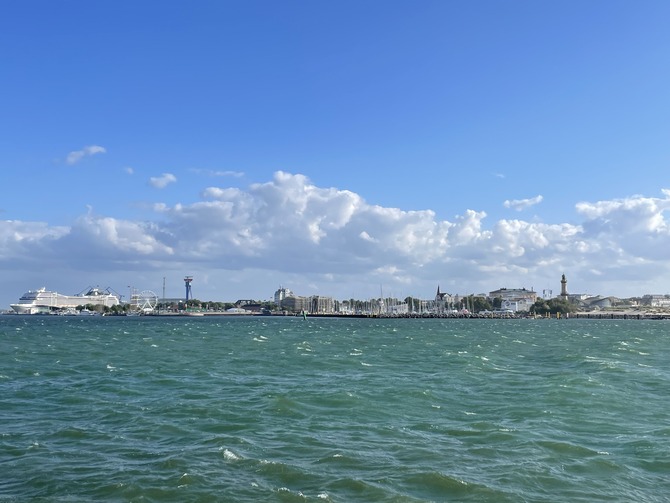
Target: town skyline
337, 148
162, 293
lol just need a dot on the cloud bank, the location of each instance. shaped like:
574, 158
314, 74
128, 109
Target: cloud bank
331, 241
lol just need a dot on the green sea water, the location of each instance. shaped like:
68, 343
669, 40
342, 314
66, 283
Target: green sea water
153, 409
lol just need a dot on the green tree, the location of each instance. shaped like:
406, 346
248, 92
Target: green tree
269, 305
560, 306
480, 304
540, 307
553, 306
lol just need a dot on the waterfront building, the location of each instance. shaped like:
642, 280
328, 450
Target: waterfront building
442, 302
295, 304
514, 299
598, 302
321, 305
521, 304
576, 298
513, 294
656, 300
248, 305
281, 294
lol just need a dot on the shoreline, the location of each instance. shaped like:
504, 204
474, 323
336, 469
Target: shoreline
619, 315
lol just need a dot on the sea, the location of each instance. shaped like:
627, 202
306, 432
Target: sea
286, 409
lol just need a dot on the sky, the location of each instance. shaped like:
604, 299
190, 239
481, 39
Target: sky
350, 149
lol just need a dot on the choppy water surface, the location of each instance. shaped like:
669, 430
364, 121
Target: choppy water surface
342, 410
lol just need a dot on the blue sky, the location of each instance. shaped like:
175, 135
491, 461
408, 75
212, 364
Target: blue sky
335, 147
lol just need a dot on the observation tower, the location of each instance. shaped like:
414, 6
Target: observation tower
187, 283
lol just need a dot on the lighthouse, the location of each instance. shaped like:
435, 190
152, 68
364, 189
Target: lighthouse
564, 288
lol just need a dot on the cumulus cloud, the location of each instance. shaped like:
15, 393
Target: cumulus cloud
160, 182
288, 229
27, 242
632, 227
633, 214
77, 155
522, 204
106, 236
13, 231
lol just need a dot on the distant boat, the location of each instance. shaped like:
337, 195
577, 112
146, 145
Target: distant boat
43, 301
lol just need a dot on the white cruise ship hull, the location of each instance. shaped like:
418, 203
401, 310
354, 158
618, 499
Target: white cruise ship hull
43, 301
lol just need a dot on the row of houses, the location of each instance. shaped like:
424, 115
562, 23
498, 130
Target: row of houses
510, 299
443, 303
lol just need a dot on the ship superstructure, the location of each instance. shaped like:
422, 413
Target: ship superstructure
43, 301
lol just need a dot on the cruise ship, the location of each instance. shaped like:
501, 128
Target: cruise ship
43, 301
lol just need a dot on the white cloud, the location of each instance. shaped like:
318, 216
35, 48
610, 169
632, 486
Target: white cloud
118, 238
522, 204
129, 170
633, 214
14, 232
289, 231
77, 155
634, 226
224, 173
160, 182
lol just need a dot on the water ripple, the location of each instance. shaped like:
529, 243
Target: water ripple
287, 409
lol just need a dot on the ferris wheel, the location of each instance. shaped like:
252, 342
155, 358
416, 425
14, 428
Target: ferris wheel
146, 301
